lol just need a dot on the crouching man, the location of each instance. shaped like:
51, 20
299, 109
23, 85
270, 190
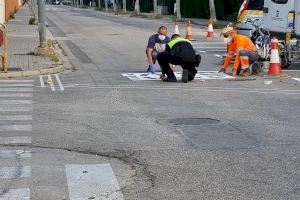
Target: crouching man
179, 52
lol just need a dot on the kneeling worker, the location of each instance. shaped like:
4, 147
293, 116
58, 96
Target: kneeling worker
243, 47
179, 52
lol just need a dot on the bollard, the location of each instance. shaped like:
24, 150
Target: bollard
3, 41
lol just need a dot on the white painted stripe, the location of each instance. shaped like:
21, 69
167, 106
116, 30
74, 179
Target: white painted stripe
15, 172
51, 83
15, 117
14, 102
15, 140
92, 182
15, 108
16, 81
15, 128
200, 51
16, 89
15, 194
42, 81
296, 79
15, 153
59, 82
219, 56
16, 85
29, 95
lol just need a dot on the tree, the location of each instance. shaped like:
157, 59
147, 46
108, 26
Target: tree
137, 7
99, 4
155, 10
178, 10
124, 6
212, 10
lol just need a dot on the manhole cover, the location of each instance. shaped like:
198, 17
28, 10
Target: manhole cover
193, 121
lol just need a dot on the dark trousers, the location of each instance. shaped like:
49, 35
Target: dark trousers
165, 59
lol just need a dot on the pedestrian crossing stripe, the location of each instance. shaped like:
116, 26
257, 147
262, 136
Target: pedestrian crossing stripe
201, 75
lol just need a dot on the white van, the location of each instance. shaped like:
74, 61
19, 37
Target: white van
282, 19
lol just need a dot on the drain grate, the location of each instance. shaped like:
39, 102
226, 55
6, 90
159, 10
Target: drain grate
193, 121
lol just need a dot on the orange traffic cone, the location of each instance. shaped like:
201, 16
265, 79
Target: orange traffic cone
210, 31
275, 65
176, 29
188, 30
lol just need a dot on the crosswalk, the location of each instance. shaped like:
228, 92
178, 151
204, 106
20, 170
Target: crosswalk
16, 99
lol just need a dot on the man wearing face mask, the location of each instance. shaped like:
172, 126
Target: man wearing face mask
243, 47
156, 44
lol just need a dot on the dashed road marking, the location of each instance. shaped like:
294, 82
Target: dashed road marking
16, 81
15, 128
16, 89
15, 172
51, 82
59, 82
15, 117
42, 82
29, 95
92, 182
15, 140
15, 108
14, 102
15, 194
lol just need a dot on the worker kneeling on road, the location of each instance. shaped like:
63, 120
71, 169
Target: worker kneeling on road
245, 50
179, 52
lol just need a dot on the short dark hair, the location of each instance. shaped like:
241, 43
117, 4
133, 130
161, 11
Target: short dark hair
175, 36
162, 28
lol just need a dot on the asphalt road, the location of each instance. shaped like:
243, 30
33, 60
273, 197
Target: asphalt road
95, 132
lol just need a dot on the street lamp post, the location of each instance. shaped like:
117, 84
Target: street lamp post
42, 23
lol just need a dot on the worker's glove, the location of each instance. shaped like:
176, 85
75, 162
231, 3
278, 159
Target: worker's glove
152, 69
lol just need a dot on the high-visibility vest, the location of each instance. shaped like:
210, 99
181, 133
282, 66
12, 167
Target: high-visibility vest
172, 43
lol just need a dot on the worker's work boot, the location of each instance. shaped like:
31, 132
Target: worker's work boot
170, 79
191, 76
185, 76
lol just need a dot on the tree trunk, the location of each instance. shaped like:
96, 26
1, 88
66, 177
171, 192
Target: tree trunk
212, 10
137, 7
124, 6
99, 4
114, 6
155, 11
178, 9
106, 6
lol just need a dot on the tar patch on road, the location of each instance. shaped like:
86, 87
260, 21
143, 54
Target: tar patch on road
212, 134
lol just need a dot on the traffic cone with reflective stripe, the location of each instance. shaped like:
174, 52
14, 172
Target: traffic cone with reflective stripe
176, 29
188, 30
275, 65
210, 31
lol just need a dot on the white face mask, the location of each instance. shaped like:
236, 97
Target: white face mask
161, 37
227, 40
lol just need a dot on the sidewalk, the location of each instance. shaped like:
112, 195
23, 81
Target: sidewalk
22, 39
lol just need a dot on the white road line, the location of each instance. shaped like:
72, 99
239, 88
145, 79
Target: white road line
219, 56
16, 81
15, 117
15, 102
15, 140
16, 89
15, 108
92, 182
51, 83
15, 194
29, 95
15, 128
15, 172
16, 85
42, 81
296, 79
15, 153
200, 51
59, 82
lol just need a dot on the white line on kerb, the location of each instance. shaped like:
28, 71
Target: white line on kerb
92, 182
15, 194
15, 140
15, 128
15, 153
42, 82
51, 83
59, 82
15, 172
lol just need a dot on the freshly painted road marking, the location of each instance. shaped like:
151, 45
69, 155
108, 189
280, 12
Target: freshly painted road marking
15, 194
96, 182
219, 56
15, 140
15, 108
15, 128
296, 79
59, 82
16, 81
42, 82
29, 95
51, 83
15, 172
16, 89
15, 117
15, 153
14, 102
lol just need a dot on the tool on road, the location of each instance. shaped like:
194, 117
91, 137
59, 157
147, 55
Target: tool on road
210, 31
176, 29
189, 35
3, 41
275, 64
